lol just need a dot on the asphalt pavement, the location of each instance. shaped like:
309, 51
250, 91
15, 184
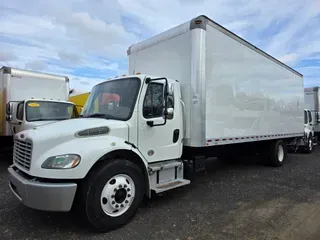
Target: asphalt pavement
246, 200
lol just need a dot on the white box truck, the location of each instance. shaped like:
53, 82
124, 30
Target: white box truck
29, 99
312, 102
205, 92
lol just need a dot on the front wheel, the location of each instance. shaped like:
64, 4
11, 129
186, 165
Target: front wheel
111, 194
309, 145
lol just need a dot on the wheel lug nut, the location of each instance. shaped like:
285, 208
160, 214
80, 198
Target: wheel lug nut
125, 186
112, 196
126, 201
120, 186
121, 205
128, 190
113, 202
129, 195
117, 206
115, 190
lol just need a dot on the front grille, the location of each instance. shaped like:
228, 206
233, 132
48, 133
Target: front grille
22, 153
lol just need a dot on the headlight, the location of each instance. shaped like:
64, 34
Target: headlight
66, 161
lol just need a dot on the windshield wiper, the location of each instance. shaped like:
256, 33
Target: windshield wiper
98, 115
48, 119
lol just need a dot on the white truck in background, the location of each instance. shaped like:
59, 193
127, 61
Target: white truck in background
205, 92
312, 103
29, 99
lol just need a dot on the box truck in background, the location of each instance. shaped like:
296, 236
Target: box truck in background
312, 102
79, 99
204, 92
29, 99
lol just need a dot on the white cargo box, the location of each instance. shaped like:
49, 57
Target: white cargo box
233, 91
312, 102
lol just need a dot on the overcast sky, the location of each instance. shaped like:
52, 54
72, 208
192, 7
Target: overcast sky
87, 40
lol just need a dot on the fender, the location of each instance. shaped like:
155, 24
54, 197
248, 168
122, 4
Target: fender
132, 154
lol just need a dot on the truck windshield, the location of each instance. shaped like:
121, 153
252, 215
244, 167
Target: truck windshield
49, 111
113, 99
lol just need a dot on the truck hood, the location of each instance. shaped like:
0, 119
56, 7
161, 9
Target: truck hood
65, 130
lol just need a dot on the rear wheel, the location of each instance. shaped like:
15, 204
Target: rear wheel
277, 153
111, 194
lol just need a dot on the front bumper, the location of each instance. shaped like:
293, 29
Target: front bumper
41, 195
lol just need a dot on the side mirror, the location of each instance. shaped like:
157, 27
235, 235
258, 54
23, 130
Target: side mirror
170, 89
169, 113
9, 118
9, 108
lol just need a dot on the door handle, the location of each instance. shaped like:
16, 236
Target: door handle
150, 123
176, 133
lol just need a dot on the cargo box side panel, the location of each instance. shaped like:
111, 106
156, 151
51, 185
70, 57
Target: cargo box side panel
171, 58
309, 99
23, 87
248, 96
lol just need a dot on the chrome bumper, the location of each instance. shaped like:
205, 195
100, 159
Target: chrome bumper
41, 195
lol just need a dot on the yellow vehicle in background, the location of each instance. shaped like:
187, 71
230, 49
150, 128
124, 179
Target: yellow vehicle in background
79, 100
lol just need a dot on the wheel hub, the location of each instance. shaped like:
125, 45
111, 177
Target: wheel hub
117, 195
120, 195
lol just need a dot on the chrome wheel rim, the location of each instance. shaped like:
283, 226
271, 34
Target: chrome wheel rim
117, 195
280, 153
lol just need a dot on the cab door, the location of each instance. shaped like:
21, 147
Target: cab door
310, 119
17, 117
308, 126
159, 138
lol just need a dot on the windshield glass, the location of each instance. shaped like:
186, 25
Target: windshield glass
113, 99
49, 111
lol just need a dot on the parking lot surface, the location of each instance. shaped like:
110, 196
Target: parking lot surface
244, 200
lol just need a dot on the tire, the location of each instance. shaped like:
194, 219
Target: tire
309, 146
111, 194
277, 153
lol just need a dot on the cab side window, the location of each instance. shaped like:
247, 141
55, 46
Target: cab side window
20, 111
153, 104
305, 117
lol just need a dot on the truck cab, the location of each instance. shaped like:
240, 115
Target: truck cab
149, 109
30, 113
128, 128
308, 129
